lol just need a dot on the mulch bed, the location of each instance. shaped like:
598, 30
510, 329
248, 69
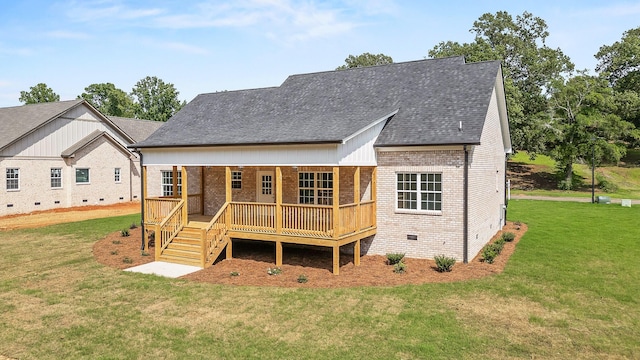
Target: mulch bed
252, 259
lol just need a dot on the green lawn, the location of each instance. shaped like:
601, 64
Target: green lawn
571, 290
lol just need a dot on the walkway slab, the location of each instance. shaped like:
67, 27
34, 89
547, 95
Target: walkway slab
165, 269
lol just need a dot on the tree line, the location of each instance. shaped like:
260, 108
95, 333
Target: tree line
150, 99
553, 108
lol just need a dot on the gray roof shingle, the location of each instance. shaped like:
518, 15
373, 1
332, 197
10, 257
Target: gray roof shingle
432, 96
137, 129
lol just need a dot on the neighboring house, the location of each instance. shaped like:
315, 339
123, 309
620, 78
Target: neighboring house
407, 157
67, 153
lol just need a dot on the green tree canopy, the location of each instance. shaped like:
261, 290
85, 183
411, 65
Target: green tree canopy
109, 100
40, 93
583, 121
365, 59
620, 62
529, 67
156, 100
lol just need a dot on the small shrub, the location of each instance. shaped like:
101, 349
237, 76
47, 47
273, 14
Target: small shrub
499, 245
444, 263
127, 260
114, 252
116, 242
399, 267
274, 271
124, 232
144, 253
488, 254
302, 279
394, 258
508, 236
133, 226
234, 273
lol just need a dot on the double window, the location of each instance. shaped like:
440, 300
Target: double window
56, 178
419, 191
13, 179
167, 183
315, 188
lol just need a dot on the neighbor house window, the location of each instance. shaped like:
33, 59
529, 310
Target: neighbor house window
13, 179
236, 179
419, 191
82, 176
315, 188
167, 183
116, 175
56, 178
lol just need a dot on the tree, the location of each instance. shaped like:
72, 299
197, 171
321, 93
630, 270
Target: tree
365, 59
109, 100
156, 100
583, 121
529, 67
40, 93
620, 62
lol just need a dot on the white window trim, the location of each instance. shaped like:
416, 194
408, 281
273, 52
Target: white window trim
51, 178
88, 176
6, 182
162, 184
418, 193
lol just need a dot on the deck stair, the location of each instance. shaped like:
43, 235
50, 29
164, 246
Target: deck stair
185, 248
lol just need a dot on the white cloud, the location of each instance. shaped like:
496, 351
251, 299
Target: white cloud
62, 34
15, 51
184, 48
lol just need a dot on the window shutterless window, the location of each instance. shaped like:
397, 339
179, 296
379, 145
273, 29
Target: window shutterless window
419, 191
167, 183
56, 178
315, 188
13, 179
236, 179
116, 175
82, 176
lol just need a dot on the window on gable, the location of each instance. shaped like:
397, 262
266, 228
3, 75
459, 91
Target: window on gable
56, 178
13, 179
419, 191
236, 179
82, 176
116, 175
315, 188
167, 182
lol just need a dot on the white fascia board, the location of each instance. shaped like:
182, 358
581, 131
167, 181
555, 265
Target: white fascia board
421, 148
384, 118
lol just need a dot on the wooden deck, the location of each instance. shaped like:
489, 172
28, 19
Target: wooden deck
200, 239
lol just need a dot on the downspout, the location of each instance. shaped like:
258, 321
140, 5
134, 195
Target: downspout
506, 198
141, 200
465, 207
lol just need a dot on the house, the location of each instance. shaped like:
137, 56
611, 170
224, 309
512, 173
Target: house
407, 157
67, 153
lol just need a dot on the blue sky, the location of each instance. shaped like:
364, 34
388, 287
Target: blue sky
207, 46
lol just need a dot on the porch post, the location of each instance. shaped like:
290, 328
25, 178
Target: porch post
228, 199
374, 195
356, 196
336, 259
278, 201
145, 231
336, 202
174, 177
202, 169
185, 195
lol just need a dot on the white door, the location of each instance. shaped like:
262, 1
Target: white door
265, 187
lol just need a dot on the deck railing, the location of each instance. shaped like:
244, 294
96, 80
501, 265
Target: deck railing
213, 235
307, 220
253, 217
367, 214
156, 209
169, 228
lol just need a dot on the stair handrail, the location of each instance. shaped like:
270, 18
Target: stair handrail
206, 244
161, 241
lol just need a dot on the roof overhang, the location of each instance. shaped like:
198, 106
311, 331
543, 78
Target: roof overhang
90, 139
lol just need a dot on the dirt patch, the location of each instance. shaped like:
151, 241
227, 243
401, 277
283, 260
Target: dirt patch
252, 259
531, 177
64, 215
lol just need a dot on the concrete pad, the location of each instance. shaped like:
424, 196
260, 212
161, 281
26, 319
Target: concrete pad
165, 269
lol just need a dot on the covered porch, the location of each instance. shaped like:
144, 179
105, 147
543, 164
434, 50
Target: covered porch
208, 206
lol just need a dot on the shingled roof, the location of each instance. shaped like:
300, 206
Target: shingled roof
137, 129
431, 98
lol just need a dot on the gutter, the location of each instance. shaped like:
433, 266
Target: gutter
465, 206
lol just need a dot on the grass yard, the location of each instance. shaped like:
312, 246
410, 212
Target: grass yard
571, 289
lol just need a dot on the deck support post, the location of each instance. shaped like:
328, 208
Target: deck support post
336, 259
229, 252
356, 253
185, 196
278, 253
156, 240
278, 200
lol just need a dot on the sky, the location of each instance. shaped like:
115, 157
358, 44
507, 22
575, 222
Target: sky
208, 46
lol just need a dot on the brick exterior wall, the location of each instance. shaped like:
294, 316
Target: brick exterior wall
100, 157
